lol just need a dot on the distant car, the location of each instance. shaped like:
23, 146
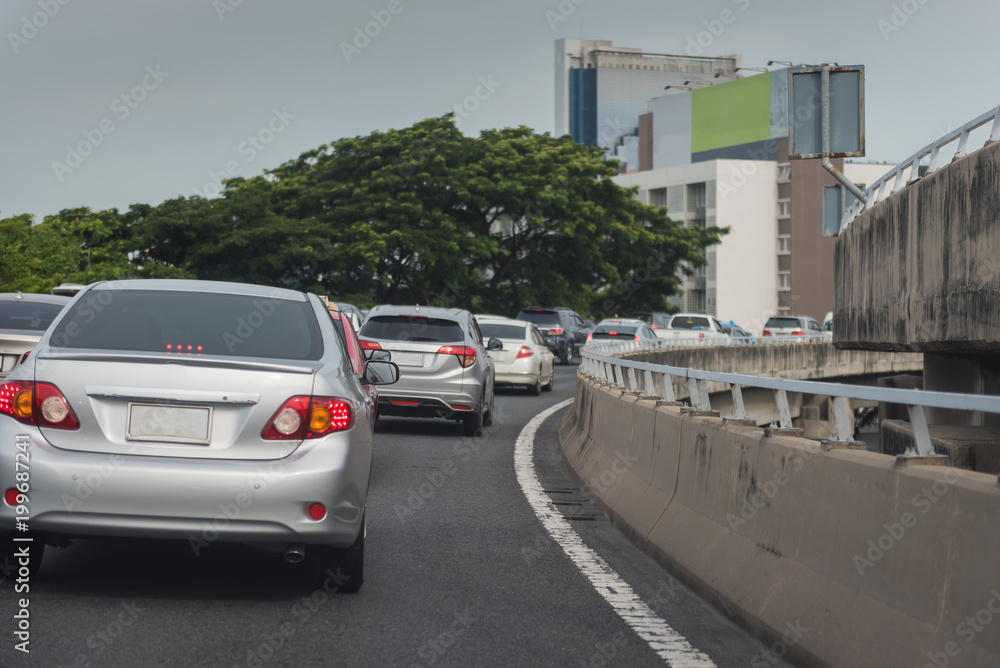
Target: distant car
696, 328
737, 333
655, 319
445, 371
524, 358
562, 328
354, 313
622, 329
178, 404
343, 323
795, 328
67, 289
24, 317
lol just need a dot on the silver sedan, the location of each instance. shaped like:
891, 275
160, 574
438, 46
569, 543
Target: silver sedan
196, 411
524, 358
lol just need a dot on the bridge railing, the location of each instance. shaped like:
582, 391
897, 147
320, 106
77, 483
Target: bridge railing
602, 363
881, 189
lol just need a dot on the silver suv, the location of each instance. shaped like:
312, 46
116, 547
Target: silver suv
444, 370
795, 328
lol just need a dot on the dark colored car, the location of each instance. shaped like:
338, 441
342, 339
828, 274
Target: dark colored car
738, 334
564, 331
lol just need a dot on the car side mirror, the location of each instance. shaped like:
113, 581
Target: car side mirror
379, 355
380, 372
494, 344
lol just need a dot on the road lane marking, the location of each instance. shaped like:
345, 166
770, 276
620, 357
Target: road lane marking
668, 644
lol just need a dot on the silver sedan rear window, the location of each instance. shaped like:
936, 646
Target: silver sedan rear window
191, 323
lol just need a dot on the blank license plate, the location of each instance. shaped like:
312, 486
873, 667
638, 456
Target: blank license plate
179, 424
408, 359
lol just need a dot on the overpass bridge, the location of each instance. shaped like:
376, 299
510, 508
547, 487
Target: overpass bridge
887, 557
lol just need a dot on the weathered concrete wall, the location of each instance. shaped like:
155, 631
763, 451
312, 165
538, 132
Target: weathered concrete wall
875, 564
920, 271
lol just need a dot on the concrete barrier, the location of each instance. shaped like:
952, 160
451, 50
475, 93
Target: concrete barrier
839, 558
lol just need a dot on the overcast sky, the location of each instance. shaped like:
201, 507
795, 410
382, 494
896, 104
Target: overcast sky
165, 94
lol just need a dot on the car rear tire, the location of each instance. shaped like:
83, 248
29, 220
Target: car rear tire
488, 416
536, 389
552, 380
473, 424
343, 569
567, 356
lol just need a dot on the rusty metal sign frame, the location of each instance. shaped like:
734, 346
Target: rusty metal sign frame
833, 119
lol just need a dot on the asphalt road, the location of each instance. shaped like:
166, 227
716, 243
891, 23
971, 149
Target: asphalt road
459, 572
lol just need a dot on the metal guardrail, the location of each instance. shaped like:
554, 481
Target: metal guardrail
665, 344
600, 363
877, 191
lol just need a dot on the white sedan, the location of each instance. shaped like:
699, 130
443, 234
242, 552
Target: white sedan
524, 358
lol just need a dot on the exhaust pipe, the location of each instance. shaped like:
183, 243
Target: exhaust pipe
295, 554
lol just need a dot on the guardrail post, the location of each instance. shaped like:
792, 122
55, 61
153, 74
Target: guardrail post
843, 427
668, 389
784, 417
633, 384
647, 385
740, 416
694, 394
924, 451
700, 403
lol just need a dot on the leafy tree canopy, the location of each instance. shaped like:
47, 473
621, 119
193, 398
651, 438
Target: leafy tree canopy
422, 215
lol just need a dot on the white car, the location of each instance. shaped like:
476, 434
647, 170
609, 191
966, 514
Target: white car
524, 358
695, 328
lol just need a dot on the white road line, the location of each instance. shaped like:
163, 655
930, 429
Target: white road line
671, 646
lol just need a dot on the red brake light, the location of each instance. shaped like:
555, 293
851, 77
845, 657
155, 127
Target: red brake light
309, 417
590, 337
12, 497
370, 345
466, 355
525, 351
613, 333
40, 404
765, 333
637, 338
797, 332
701, 335
556, 331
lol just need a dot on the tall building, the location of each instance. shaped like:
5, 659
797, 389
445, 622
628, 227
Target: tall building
716, 153
601, 90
